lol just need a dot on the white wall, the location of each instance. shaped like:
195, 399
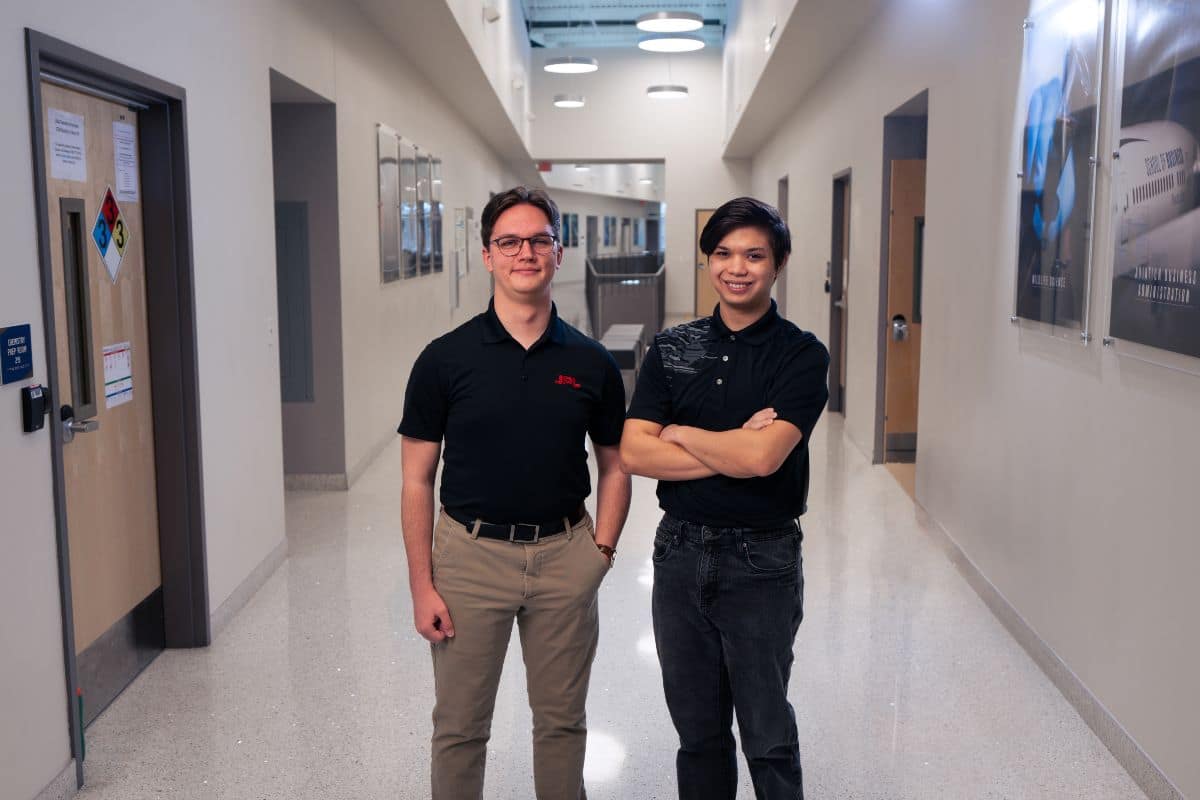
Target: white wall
620, 123
502, 48
749, 24
34, 741
1065, 473
333, 51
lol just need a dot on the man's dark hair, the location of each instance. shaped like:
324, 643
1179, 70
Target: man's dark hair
746, 212
516, 196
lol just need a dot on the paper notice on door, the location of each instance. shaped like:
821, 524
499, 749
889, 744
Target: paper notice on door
68, 152
118, 374
125, 160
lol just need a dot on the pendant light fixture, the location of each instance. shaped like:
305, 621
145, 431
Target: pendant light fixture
669, 90
670, 22
671, 43
569, 101
571, 65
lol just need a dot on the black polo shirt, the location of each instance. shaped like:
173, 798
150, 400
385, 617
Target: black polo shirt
513, 420
703, 375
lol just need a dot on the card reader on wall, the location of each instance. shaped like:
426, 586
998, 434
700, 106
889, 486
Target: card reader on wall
35, 404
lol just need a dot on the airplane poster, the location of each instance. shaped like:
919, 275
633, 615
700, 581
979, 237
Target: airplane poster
1058, 98
1155, 292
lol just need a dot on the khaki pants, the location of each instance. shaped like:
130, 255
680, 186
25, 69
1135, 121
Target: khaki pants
549, 587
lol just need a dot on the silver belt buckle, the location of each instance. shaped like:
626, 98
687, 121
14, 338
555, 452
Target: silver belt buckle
512, 531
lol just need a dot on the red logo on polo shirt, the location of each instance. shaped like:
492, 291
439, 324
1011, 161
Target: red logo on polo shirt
567, 380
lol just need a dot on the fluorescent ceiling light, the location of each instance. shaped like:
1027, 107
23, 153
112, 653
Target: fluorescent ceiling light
670, 22
671, 43
568, 101
667, 91
571, 65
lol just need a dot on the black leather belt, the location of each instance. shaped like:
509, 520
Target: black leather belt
520, 531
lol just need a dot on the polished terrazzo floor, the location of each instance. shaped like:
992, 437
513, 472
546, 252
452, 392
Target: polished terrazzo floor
905, 685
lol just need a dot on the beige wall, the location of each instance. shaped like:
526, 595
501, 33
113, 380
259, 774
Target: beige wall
1065, 473
330, 49
620, 123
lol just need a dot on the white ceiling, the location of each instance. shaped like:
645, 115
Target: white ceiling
610, 23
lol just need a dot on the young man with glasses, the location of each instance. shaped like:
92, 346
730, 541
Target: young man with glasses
722, 414
513, 393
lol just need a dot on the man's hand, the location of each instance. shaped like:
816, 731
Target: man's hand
431, 616
670, 433
760, 420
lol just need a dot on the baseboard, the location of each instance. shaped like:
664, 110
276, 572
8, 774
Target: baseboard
253, 582
1112, 734
355, 472
61, 788
316, 482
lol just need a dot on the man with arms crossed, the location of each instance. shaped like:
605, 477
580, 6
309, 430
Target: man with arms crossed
722, 414
513, 393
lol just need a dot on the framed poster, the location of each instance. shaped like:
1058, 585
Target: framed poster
1059, 100
389, 204
574, 230
436, 212
424, 213
566, 230
409, 220
1156, 266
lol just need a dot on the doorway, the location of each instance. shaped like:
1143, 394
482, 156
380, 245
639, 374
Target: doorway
113, 225
838, 281
782, 280
308, 285
901, 265
706, 295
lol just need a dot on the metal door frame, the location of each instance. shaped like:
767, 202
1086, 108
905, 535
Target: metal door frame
838, 255
162, 146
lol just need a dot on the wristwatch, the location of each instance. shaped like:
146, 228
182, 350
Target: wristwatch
611, 552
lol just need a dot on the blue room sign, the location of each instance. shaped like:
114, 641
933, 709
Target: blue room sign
16, 354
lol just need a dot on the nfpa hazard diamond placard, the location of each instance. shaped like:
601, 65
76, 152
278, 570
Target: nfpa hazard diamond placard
111, 234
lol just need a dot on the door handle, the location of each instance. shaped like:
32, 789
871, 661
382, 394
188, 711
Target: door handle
899, 328
72, 426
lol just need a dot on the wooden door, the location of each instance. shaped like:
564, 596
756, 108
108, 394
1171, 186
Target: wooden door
103, 387
706, 295
903, 326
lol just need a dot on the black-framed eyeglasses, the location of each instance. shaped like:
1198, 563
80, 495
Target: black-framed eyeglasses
542, 244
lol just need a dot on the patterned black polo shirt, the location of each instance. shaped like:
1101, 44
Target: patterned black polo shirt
703, 375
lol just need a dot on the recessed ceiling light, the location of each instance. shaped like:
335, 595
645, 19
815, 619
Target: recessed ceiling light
670, 22
571, 65
667, 91
569, 101
671, 43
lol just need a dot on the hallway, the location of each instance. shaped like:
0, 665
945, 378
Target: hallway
905, 685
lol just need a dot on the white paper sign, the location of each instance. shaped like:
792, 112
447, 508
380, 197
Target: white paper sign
125, 160
68, 152
118, 374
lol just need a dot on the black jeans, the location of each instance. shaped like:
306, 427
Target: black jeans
727, 603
